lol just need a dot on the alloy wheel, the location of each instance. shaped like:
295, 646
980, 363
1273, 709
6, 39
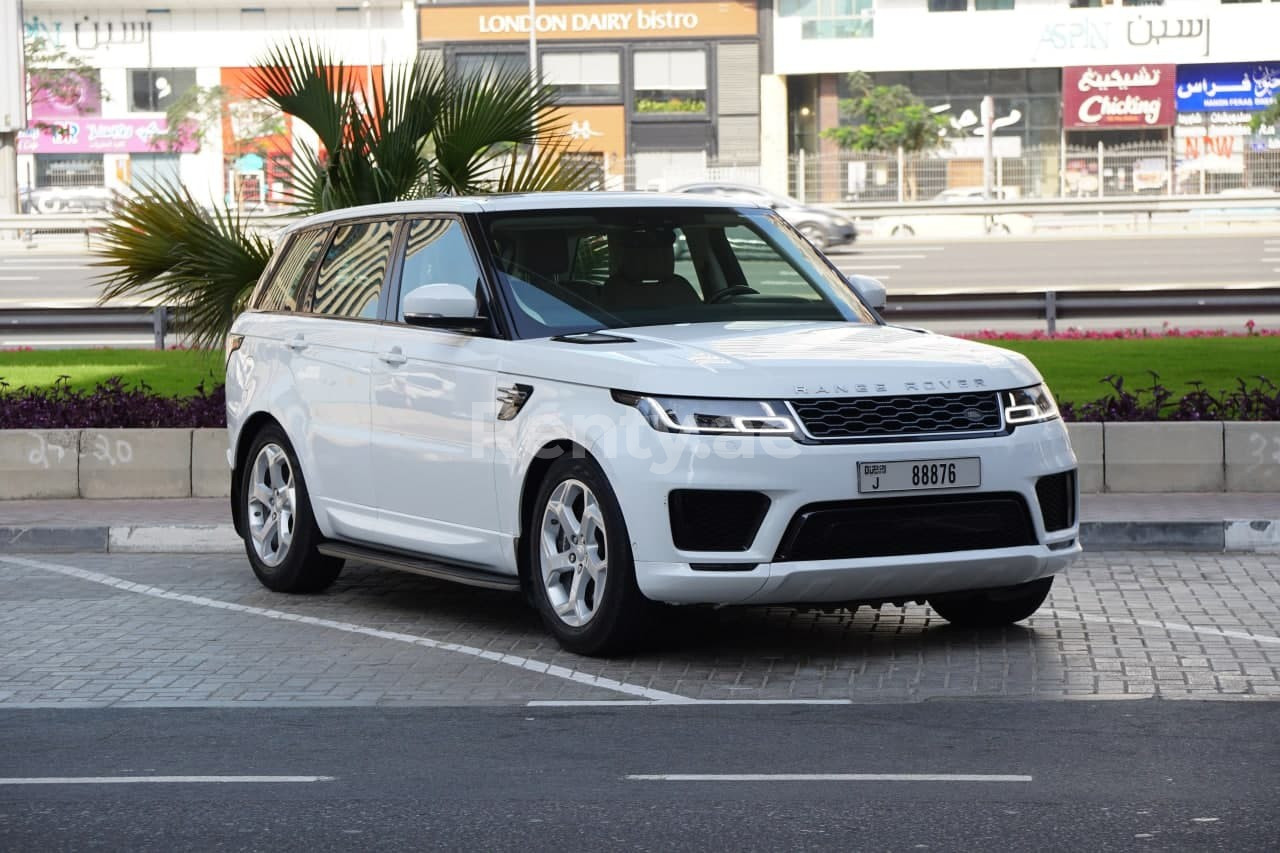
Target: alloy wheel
573, 553
272, 500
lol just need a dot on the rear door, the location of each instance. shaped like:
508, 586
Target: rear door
434, 410
332, 369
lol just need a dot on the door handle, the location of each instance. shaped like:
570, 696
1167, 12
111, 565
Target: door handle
298, 344
394, 357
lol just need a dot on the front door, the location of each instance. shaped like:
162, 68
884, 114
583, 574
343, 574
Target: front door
434, 410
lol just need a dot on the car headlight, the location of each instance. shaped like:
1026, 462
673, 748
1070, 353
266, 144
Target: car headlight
841, 223
1029, 405
710, 416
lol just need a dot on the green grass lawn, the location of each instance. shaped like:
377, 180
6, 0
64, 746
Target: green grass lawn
169, 372
1073, 367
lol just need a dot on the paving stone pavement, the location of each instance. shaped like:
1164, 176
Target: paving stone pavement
1118, 625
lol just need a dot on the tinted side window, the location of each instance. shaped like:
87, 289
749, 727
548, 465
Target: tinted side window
437, 252
353, 270
284, 292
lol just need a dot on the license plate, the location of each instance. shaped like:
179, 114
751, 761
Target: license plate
916, 474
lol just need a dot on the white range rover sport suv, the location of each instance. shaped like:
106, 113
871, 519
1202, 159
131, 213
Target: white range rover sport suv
615, 401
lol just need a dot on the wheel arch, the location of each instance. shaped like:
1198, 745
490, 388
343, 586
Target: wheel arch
244, 438
534, 475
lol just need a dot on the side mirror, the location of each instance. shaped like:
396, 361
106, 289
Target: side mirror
449, 306
871, 290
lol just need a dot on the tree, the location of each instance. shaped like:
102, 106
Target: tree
1270, 116
422, 131
58, 76
886, 118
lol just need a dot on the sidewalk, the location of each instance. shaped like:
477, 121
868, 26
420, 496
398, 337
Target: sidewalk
1183, 522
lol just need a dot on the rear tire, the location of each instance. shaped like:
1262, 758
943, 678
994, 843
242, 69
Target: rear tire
280, 532
902, 231
581, 570
992, 608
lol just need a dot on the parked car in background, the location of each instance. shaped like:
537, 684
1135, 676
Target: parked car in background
823, 226
966, 195
534, 393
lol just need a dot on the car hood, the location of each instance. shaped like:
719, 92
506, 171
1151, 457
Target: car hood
775, 360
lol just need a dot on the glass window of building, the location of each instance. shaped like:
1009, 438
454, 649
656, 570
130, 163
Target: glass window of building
584, 74
471, 64
671, 81
984, 5
948, 5
153, 90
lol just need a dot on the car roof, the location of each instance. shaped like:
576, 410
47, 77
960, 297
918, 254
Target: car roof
497, 203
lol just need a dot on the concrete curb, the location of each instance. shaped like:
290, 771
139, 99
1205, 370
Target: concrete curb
1247, 536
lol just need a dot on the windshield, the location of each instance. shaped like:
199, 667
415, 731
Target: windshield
567, 272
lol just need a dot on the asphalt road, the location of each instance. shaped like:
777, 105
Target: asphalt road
395, 712
1082, 776
50, 279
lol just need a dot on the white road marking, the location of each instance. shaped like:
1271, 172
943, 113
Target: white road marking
825, 777
64, 268
17, 278
899, 247
879, 257
587, 703
164, 780
529, 664
1166, 626
860, 267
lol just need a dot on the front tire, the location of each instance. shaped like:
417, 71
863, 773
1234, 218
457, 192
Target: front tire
815, 235
581, 569
280, 532
992, 608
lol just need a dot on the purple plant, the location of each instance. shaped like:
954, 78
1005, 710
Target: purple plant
110, 404
1258, 402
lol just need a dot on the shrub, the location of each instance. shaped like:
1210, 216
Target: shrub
110, 404
1257, 402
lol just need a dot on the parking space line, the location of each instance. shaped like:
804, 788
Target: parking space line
540, 667
1166, 626
826, 777
165, 780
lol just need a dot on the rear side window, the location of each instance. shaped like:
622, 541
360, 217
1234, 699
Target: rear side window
284, 293
354, 270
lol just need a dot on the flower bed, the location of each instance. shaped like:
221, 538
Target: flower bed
112, 404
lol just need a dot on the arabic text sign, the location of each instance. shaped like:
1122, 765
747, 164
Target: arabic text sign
97, 136
1110, 96
1233, 86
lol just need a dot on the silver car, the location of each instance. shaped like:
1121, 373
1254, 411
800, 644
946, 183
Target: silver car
822, 226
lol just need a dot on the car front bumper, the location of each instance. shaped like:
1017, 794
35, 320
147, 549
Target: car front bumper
794, 476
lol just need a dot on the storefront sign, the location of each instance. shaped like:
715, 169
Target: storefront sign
1233, 86
1117, 96
505, 23
98, 136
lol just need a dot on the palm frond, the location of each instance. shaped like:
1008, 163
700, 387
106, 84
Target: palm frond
162, 248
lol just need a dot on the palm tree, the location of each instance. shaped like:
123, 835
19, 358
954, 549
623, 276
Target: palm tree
420, 131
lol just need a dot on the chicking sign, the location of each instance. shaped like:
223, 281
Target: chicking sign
1118, 96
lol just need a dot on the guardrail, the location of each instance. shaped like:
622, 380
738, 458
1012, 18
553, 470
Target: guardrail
26, 225
131, 320
1143, 204
907, 308
1055, 305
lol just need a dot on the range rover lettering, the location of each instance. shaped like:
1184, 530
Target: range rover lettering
614, 402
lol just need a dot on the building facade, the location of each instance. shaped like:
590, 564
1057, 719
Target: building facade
111, 133
1066, 76
652, 92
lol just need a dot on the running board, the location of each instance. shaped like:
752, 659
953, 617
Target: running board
420, 566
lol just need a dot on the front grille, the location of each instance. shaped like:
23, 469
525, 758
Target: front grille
890, 527
895, 417
715, 520
1057, 496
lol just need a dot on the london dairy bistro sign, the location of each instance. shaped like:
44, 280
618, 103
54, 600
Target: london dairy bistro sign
1118, 96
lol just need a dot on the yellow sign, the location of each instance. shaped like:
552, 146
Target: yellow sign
511, 23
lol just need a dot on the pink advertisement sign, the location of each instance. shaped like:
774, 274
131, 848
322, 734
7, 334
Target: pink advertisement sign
70, 96
99, 136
